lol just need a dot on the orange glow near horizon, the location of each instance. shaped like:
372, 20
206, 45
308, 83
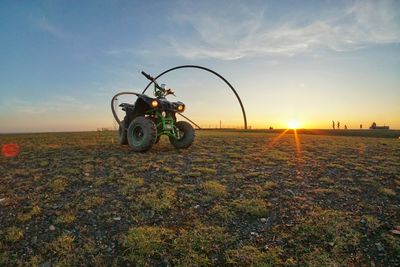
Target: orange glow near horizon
293, 124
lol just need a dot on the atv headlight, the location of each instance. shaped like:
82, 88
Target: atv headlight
154, 103
181, 108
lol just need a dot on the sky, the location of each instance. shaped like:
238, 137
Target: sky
313, 61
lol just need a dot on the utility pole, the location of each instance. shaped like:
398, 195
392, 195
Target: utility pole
220, 124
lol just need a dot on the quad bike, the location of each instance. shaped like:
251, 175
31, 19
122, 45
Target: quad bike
150, 118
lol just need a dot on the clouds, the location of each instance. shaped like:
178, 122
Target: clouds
52, 105
44, 25
241, 30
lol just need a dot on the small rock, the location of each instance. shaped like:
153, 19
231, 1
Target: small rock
379, 246
291, 192
196, 206
266, 247
331, 244
264, 220
117, 218
52, 228
254, 233
395, 232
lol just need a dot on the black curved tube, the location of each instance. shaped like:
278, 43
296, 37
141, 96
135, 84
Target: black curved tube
213, 72
112, 104
189, 120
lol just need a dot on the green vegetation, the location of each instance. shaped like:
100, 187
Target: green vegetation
251, 256
231, 199
144, 243
212, 190
250, 207
13, 234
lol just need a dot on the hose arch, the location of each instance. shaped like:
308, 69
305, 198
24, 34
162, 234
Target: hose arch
213, 72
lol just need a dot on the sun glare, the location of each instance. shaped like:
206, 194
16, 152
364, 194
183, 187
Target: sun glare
293, 124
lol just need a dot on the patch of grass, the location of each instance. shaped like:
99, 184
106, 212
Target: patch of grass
92, 201
199, 245
144, 243
213, 189
130, 183
250, 207
269, 185
326, 180
152, 245
64, 247
205, 170
3, 255
370, 222
387, 191
253, 190
67, 218
325, 191
327, 233
36, 210
14, 234
194, 174
251, 256
169, 170
160, 200
58, 185
221, 212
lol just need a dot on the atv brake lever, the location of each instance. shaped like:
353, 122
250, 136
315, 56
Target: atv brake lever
170, 92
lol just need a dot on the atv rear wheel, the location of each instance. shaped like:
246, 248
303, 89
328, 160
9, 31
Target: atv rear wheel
142, 134
186, 132
122, 134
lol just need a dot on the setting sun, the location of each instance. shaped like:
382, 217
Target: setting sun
293, 124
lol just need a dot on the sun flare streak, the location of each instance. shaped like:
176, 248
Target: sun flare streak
276, 139
297, 140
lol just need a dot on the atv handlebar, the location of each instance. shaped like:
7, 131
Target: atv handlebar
164, 91
147, 76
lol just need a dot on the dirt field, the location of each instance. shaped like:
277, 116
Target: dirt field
235, 199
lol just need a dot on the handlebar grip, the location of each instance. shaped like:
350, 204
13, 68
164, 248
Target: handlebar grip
147, 76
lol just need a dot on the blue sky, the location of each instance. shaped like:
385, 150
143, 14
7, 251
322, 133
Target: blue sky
62, 61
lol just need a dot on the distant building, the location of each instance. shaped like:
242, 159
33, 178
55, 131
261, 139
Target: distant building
375, 127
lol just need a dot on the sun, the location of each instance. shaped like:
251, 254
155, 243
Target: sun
293, 124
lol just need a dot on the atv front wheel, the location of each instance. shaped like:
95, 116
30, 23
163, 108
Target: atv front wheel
142, 134
122, 134
186, 133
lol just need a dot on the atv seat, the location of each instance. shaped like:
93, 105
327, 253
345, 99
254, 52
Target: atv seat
126, 106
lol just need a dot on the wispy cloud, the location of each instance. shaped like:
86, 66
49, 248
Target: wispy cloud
55, 104
44, 25
246, 31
